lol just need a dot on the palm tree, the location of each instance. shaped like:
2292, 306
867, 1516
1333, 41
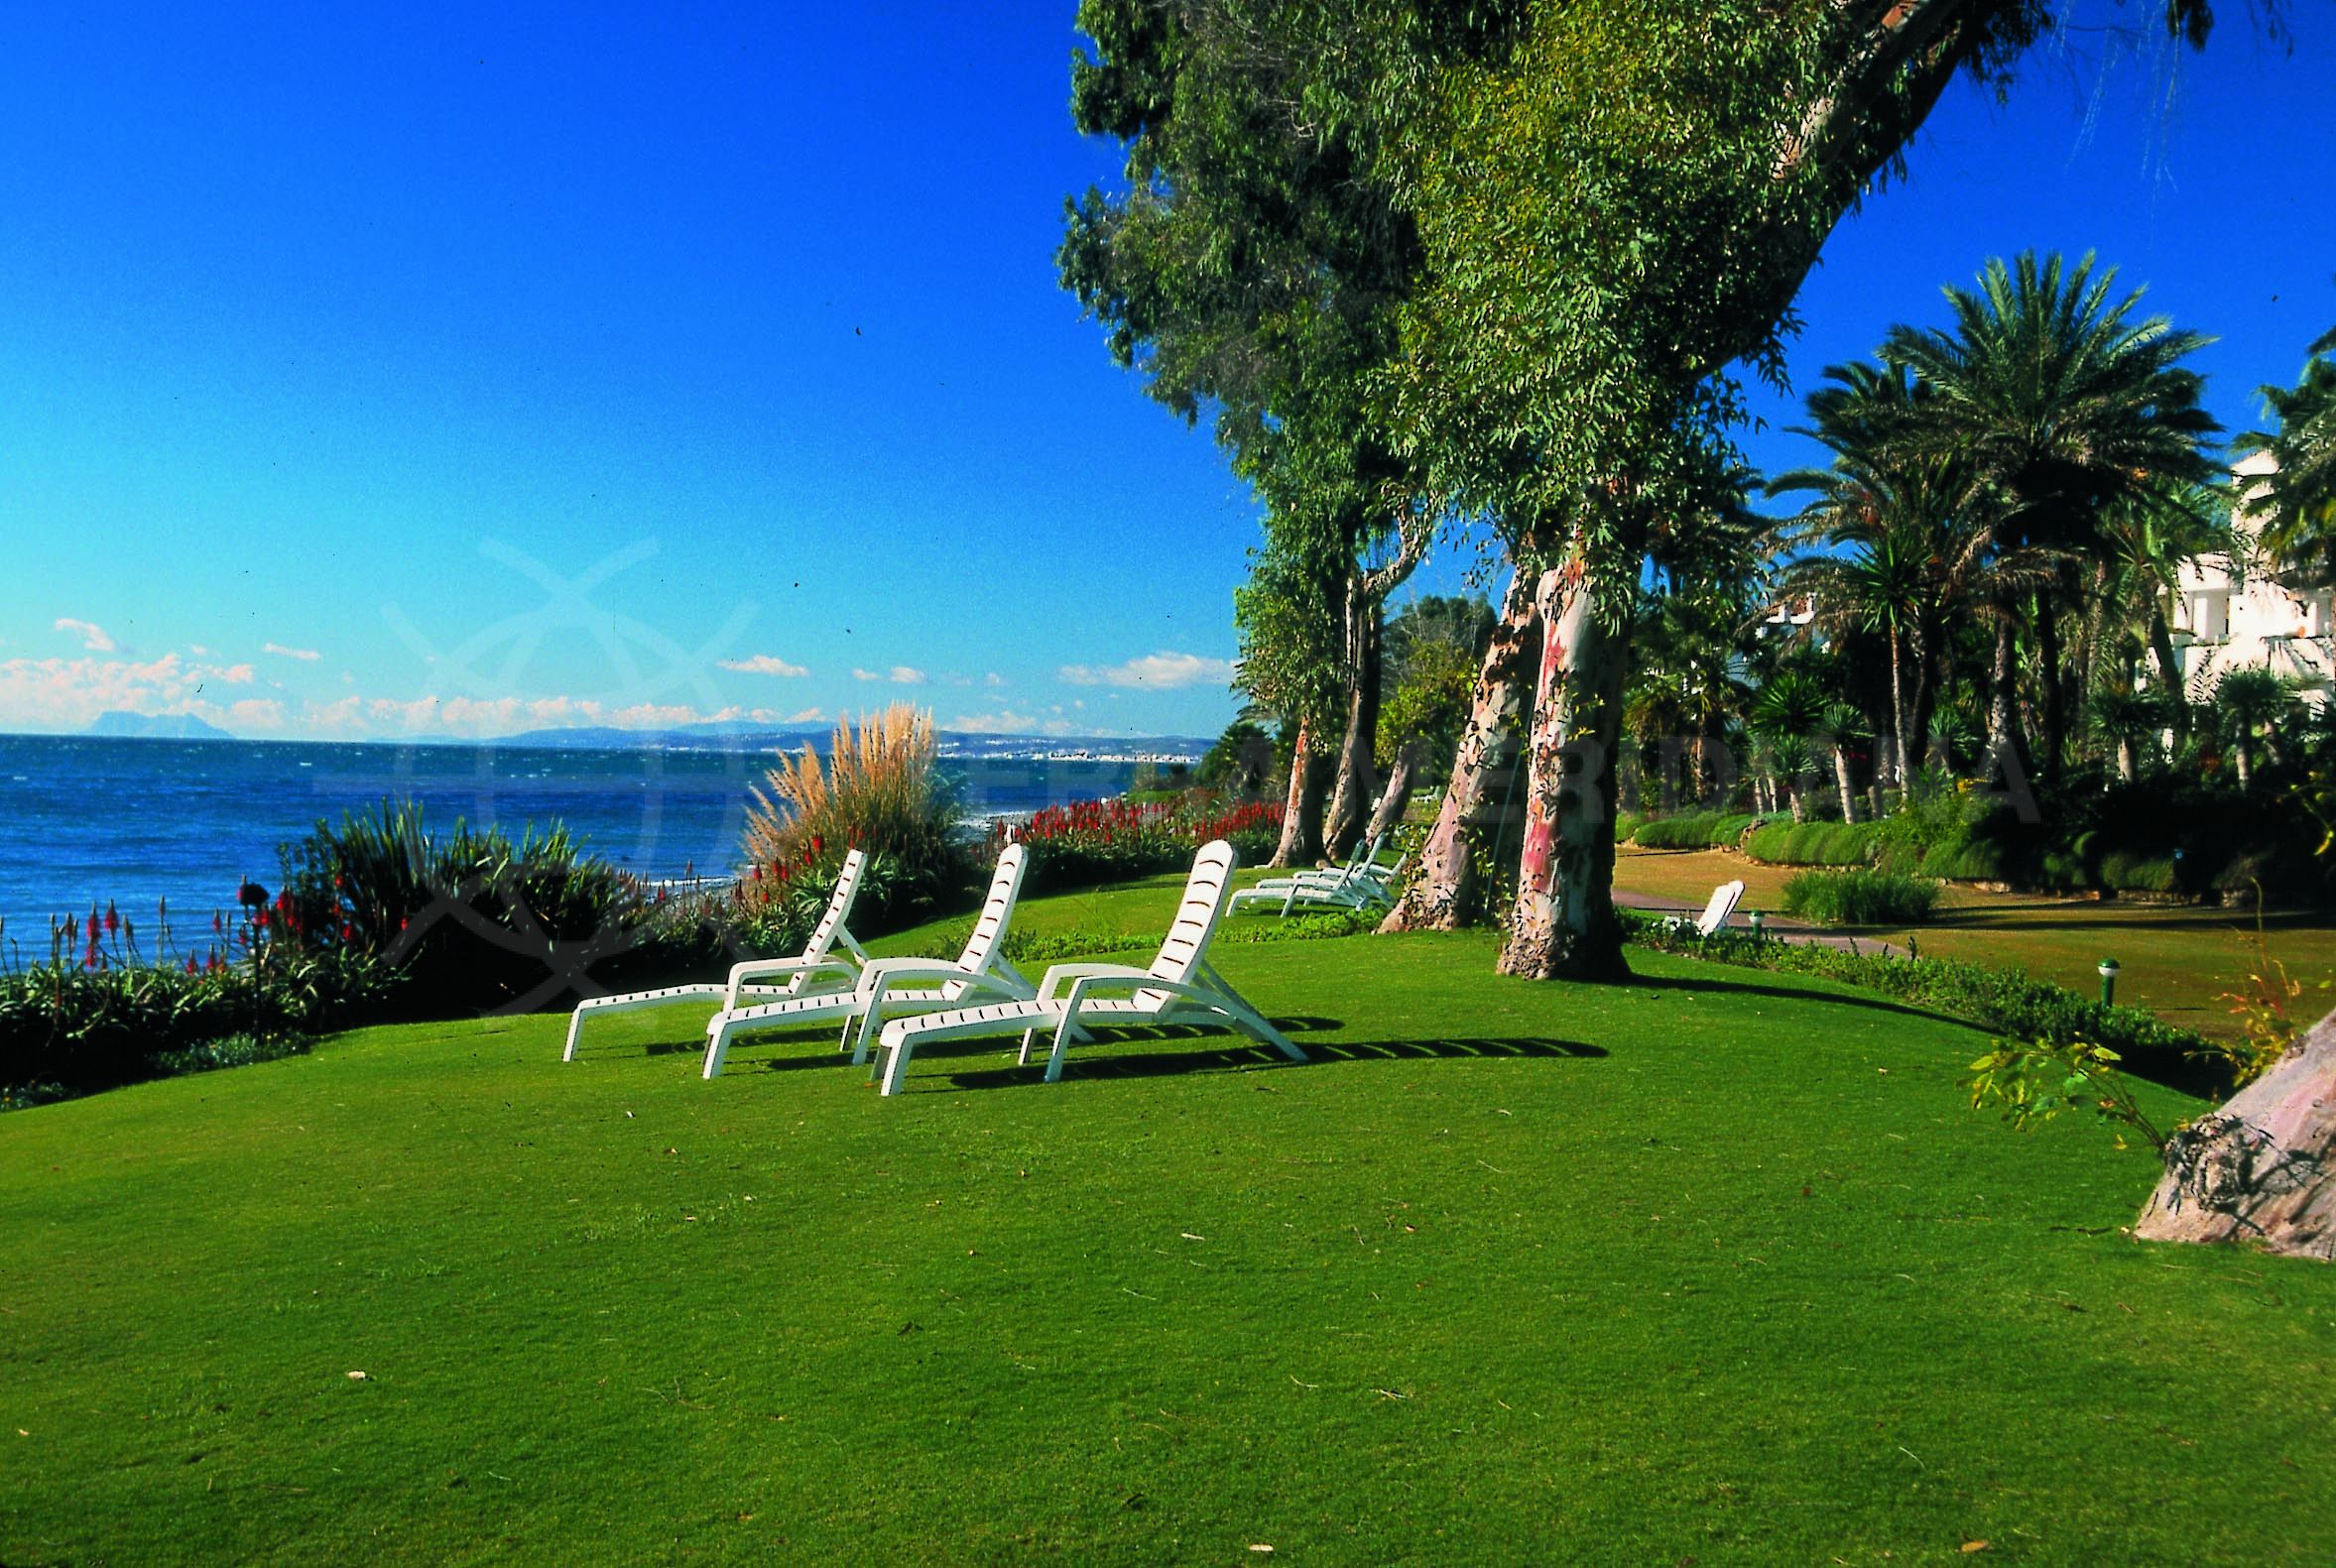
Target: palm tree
2063, 403
2247, 701
1788, 709
2126, 719
2298, 503
2147, 538
1892, 551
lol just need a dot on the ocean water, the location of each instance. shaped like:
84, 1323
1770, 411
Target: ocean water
85, 820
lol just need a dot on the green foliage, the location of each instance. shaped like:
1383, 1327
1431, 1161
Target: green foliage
1860, 897
1696, 830
2296, 502
75, 1029
2032, 1084
1816, 843
1428, 707
474, 920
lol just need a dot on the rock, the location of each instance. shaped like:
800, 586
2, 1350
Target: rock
2259, 1169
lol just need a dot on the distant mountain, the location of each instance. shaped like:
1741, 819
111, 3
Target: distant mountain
162, 726
750, 737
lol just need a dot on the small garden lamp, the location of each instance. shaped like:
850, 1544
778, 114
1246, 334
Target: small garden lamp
2109, 967
1753, 918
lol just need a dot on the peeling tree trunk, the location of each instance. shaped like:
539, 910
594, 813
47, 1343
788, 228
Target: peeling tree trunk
1443, 884
1350, 796
1301, 812
1396, 795
2262, 1168
1842, 783
1563, 924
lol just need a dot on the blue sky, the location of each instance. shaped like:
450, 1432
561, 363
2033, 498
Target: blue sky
443, 373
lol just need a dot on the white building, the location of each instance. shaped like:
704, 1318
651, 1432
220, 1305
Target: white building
2226, 618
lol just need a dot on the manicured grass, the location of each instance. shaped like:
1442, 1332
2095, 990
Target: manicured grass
1716, 1265
2176, 960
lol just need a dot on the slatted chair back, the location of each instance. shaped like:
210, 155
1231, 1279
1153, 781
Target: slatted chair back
989, 931
1205, 893
839, 906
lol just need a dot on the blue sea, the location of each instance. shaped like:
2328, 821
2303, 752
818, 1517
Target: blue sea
87, 820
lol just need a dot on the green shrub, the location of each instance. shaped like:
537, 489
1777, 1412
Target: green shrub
1627, 825
1814, 843
1860, 897
73, 1028
1965, 861
473, 921
1694, 830
2127, 871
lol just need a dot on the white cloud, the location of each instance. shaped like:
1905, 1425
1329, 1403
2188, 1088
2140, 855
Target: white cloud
808, 716
1163, 670
68, 693
762, 664
899, 675
92, 635
952, 679
306, 655
993, 678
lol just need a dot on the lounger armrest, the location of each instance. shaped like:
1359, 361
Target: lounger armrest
772, 968
1051, 987
892, 970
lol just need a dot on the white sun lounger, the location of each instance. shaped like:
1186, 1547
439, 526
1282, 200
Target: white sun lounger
816, 969
979, 972
1359, 884
1179, 987
1724, 900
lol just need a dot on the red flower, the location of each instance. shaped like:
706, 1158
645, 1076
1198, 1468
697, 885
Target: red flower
113, 922
191, 963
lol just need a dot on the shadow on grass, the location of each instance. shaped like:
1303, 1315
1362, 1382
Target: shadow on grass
1241, 1055
1754, 988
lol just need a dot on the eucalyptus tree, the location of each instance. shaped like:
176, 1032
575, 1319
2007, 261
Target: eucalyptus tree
1249, 267
2065, 405
1612, 205
2296, 503
1291, 628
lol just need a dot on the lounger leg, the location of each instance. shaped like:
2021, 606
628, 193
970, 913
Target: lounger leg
895, 1065
575, 1029
717, 1047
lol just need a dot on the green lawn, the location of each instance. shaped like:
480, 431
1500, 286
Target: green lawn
1714, 1266
2175, 959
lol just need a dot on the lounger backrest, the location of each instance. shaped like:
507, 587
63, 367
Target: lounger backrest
1722, 904
1205, 891
989, 931
839, 906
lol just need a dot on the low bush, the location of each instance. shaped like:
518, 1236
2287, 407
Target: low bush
1860, 897
473, 920
1627, 825
1814, 843
2129, 870
1696, 830
71, 1028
